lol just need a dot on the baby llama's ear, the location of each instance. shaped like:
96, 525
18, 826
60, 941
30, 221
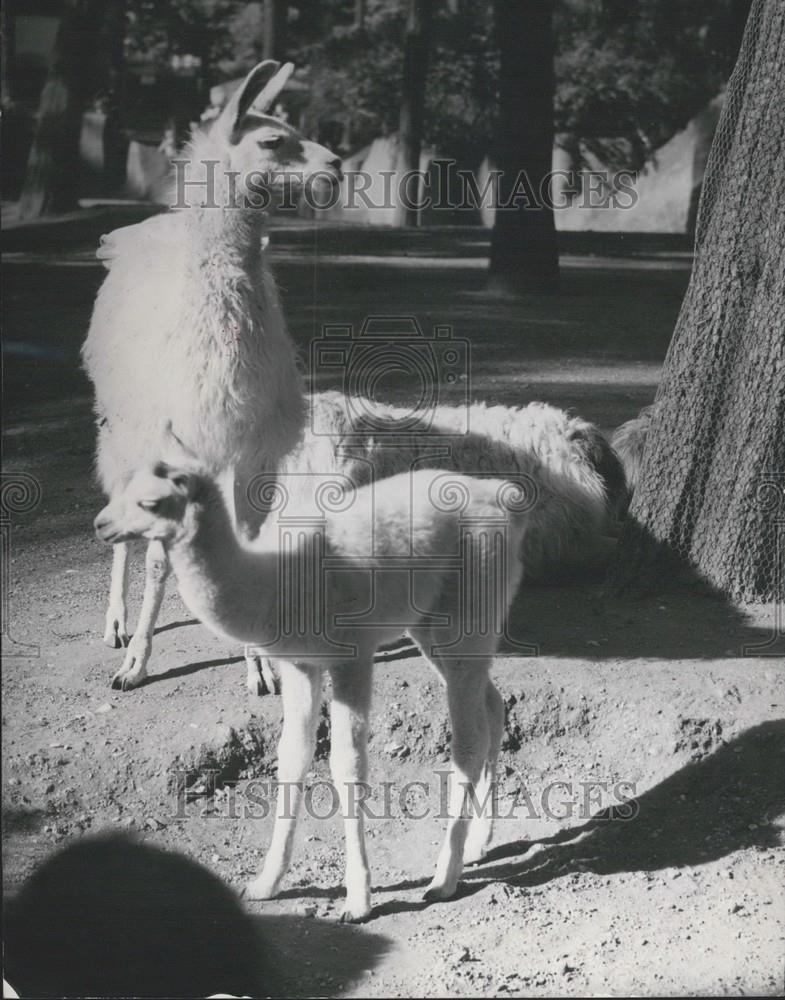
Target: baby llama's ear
257, 92
183, 479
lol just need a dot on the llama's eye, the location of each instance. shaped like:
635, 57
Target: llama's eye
151, 505
272, 143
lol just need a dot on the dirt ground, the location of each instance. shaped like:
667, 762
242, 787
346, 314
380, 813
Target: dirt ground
673, 700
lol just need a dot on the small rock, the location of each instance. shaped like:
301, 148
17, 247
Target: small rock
153, 823
103, 709
464, 955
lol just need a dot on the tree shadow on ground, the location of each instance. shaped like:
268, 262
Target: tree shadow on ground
108, 916
581, 619
709, 809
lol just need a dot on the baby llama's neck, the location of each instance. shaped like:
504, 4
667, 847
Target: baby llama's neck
232, 590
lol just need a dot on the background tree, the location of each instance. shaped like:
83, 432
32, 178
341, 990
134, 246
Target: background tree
416, 49
712, 487
524, 254
77, 70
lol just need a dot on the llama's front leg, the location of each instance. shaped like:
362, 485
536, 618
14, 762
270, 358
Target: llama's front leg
301, 690
481, 825
134, 668
349, 765
466, 683
260, 678
116, 631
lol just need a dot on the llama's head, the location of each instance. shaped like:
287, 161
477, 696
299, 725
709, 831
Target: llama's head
267, 153
157, 503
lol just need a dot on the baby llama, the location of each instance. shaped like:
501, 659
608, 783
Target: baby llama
434, 552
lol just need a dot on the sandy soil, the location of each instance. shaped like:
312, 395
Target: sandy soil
656, 698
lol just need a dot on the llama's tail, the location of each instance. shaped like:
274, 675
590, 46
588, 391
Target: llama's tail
629, 442
563, 525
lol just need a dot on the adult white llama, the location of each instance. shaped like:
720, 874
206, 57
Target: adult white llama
187, 327
411, 550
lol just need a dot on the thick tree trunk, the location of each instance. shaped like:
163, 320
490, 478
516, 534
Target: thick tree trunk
7, 41
274, 41
524, 253
410, 125
52, 180
712, 489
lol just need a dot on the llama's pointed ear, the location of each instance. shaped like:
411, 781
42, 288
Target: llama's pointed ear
257, 91
262, 103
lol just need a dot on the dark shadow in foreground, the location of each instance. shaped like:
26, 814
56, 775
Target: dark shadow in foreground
108, 916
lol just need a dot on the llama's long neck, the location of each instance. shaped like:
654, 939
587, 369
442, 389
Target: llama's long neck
246, 387
234, 591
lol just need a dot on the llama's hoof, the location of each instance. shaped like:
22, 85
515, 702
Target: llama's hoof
355, 913
438, 891
256, 687
129, 676
260, 888
115, 636
260, 678
475, 855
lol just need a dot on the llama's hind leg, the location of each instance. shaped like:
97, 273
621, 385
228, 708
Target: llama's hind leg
116, 630
301, 690
481, 825
349, 765
260, 676
134, 668
466, 685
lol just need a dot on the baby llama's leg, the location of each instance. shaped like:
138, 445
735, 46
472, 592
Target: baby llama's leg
116, 631
302, 699
349, 766
481, 825
134, 668
467, 681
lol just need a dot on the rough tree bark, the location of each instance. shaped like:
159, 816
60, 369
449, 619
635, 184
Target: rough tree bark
75, 71
275, 18
524, 253
712, 489
416, 50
